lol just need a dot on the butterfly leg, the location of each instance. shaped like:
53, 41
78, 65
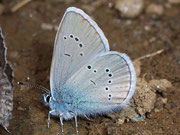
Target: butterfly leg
49, 115
76, 124
61, 122
88, 118
5, 128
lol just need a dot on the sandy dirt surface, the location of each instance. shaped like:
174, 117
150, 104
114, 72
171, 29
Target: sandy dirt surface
30, 32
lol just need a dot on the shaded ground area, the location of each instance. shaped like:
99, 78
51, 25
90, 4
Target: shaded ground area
30, 49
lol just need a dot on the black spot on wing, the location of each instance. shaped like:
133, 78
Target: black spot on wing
93, 82
67, 54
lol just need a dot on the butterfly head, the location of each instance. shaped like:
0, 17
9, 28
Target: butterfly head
46, 97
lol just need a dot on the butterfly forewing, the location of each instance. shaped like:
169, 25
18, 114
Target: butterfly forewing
103, 84
6, 86
2, 51
78, 40
6, 99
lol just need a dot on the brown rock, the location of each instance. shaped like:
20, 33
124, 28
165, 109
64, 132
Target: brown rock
144, 98
174, 1
155, 9
1, 9
137, 66
160, 85
129, 8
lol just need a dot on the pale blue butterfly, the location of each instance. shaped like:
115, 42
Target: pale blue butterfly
86, 78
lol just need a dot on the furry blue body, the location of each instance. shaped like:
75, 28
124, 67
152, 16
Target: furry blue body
74, 102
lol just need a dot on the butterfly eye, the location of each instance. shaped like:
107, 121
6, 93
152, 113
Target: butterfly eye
47, 99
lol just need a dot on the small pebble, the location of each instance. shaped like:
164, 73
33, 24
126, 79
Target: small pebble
129, 8
47, 26
155, 9
141, 111
110, 5
120, 121
137, 65
1, 9
172, 104
28, 78
137, 117
168, 5
164, 100
14, 54
116, 21
128, 22
149, 116
147, 28
156, 110
152, 39
21, 109
174, 1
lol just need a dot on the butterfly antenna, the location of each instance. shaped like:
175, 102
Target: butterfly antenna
30, 84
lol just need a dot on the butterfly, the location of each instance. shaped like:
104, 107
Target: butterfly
6, 86
86, 78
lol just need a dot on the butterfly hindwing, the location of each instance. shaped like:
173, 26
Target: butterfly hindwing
105, 83
78, 39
